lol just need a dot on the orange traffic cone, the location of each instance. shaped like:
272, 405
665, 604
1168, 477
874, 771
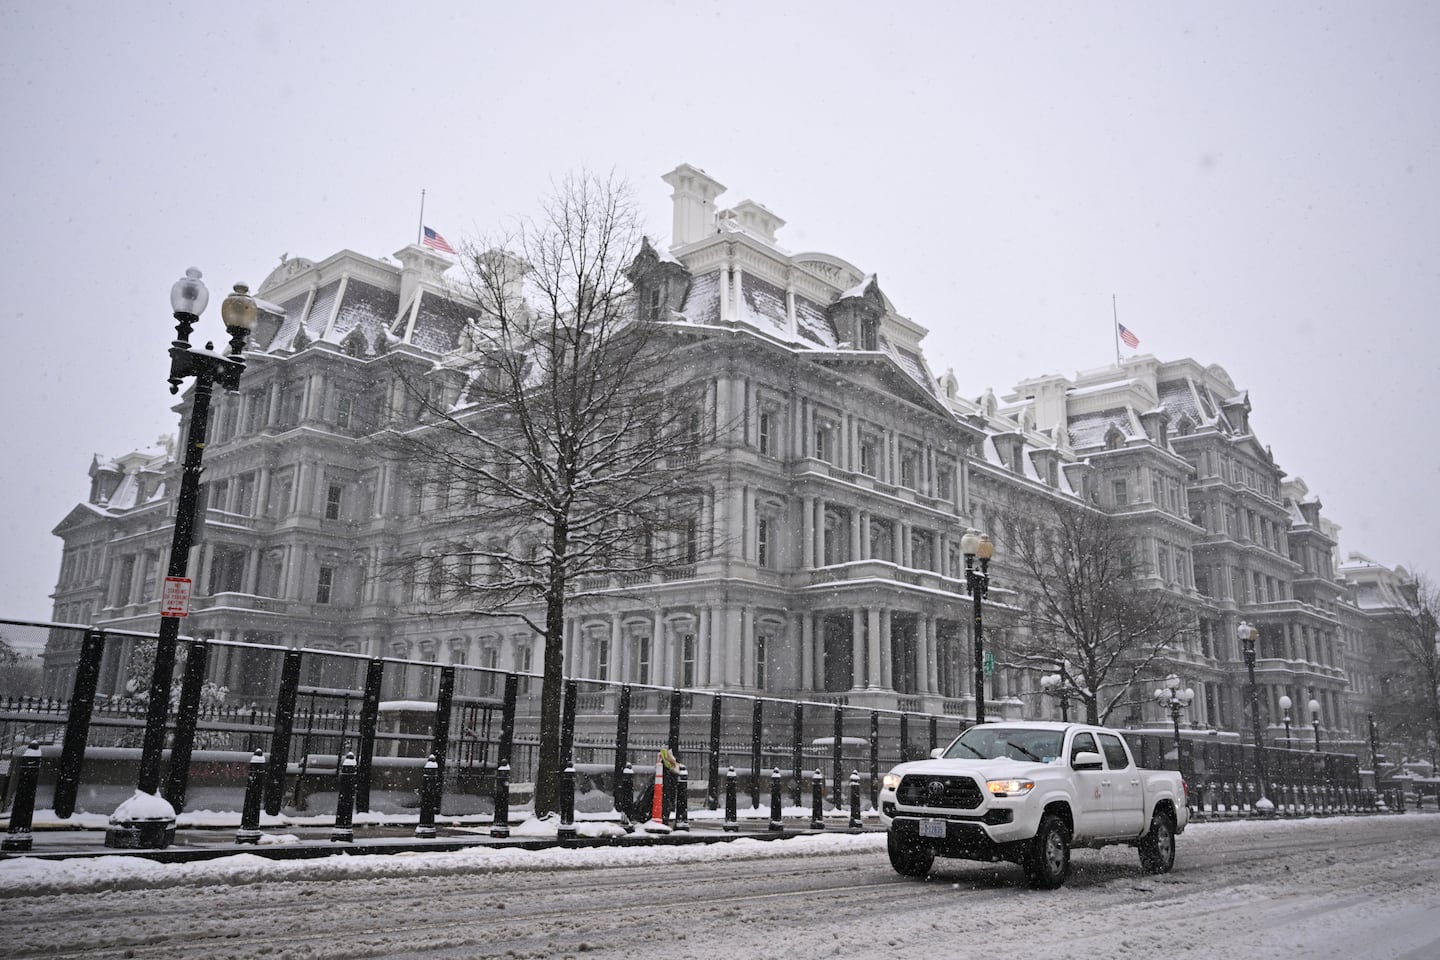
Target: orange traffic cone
657, 823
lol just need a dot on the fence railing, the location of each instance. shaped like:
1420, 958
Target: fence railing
307, 708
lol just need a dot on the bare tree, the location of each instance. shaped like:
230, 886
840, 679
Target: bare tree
1090, 610
557, 437
1409, 661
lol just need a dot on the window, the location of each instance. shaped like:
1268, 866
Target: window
334, 494
687, 660
867, 456
907, 469
123, 580
1122, 493
766, 437
642, 660
281, 493
218, 497
344, 411
822, 441
762, 542
1115, 756
325, 585
762, 644
245, 494
1083, 743
255, 411
944, 478
527, 663
689, 540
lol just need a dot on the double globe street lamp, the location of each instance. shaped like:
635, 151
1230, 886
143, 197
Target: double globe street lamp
147, 819
1172, 698
1060, 686
973, 545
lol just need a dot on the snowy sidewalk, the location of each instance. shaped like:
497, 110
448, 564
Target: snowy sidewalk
207, 835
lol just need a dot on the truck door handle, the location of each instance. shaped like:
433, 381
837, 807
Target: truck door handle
1104, 783
1134, 783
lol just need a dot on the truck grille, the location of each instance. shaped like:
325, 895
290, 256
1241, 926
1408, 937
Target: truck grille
918, 790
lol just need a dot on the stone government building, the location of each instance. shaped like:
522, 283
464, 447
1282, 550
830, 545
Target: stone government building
833, 509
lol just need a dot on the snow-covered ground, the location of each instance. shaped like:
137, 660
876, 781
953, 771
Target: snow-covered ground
1345, 887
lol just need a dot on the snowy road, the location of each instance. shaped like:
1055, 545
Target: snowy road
1351, 887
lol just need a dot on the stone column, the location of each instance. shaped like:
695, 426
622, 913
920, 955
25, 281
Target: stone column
887, 648
807, 533
807, 651
663, 655
875, 670
932, 655
819, 532
702, 648
857, 647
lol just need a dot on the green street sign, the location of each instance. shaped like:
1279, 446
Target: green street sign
989, 664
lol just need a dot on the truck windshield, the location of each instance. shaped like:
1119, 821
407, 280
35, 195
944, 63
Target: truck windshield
1015, 743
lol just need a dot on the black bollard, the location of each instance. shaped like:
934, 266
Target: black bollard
500, 823
429, 792
732, 822
22, 811
817, 809
682, 802
777, 817
854, 799
567, 803
344, 831
249, 831
625, 796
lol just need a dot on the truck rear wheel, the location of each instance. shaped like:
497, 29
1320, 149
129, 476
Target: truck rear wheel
1047, 861
1157, 848
908, 856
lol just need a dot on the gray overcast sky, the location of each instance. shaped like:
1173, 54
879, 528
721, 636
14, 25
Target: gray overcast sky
1257, 183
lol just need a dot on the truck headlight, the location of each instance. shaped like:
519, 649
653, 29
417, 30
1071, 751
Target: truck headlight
1009, 788
891, 781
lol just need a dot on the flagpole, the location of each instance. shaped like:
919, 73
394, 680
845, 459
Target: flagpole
420, 227
1115, 327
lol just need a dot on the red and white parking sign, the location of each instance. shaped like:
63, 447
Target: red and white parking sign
175, 597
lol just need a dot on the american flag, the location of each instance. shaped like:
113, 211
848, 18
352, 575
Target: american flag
434, 241
1130, 339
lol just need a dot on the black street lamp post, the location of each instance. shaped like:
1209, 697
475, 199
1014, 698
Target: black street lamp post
1246, 634
976, 544
146, 819
1175, 700
1315, 721
1285, 704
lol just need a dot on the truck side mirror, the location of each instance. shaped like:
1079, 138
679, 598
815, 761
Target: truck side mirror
937, 753
1087, 760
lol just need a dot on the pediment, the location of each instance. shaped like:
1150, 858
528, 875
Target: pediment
882, 374
79, 516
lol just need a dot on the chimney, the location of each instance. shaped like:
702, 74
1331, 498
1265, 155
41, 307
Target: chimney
694, 199
757, 221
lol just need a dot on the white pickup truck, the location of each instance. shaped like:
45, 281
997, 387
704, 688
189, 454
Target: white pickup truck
1027, 793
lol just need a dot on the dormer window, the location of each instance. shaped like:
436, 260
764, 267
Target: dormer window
869, 334
1114, 439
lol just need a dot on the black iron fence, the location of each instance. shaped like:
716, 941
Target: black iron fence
307, 708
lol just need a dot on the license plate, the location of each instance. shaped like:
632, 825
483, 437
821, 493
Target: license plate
932, 828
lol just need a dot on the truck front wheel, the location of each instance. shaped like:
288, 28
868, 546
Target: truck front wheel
908, 856
1157, 848
1047, 861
